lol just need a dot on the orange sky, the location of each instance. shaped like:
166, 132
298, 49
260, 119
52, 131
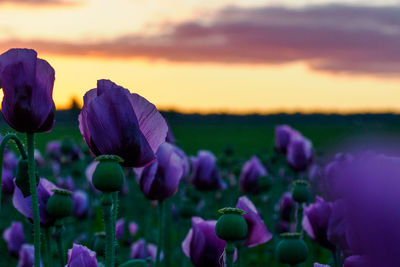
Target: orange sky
185, 85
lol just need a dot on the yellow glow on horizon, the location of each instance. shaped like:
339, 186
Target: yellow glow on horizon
207, 88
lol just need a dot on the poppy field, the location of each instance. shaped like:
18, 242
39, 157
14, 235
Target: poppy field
119, 183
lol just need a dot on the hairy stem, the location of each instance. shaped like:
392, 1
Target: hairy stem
35, 204
299, 217
229, 251
60, 248
108, 222
3, 144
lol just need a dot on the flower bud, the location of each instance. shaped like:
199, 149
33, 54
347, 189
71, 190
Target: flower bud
291, 249
301, 191
60, 204
22, 177
108, 175
231, 226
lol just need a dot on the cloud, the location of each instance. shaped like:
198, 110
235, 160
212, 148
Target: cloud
335, 38
38, 2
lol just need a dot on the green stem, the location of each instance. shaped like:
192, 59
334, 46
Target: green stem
108, 221
337, 258
114, 221
58, 236
3, 144
49, 254
299, 218
35, 204
229, 251
160, 231
239, 253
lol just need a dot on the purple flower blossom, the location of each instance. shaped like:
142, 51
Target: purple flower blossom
39, 158
316, 221
202, 245
356, 261
120, 228
10, 161
320, 265
160, 180
81, 203
14, 237
251, 172
257, 231
66, 183
7, 181
143, 250
24, 205
81, 256
369, 187
299, 153
283, 134
27, 83
286, 206
133, 228
113, 121
205, 174
26, 256
53, 150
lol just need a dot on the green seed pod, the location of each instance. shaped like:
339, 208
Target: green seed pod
301, 191
60, 204
231, 226
291, 249
265, 183
108, 176
99, 245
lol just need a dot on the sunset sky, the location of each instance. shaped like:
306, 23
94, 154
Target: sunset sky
237, 56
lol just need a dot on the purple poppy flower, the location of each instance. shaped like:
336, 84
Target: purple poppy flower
356, 261
205, 174
113, 121
257, 231
202, 245
27, 83
7, 182
316, 221
53, 150
321, 265
143, 250
39, 158
10, 161
369, 188
133, 228
251, 172
184, 159
120, 228
338, 229
299, 153
26, 256
81, 256
160, 180
89, 175
283, 134
286, 206
15, 237
24, 205
66, 183
81, 203
332, 172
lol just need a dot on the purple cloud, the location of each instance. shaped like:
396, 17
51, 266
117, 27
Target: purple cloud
335, 38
